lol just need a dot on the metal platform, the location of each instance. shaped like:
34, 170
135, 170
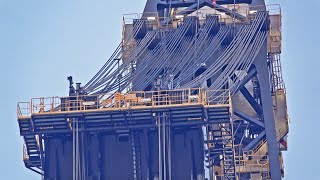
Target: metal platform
135, 110
235, 126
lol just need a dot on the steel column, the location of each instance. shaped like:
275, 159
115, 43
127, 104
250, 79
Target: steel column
268, 114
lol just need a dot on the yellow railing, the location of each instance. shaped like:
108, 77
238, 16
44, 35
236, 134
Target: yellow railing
217, 97
252, 160
25, 155
258, 147
128, 100
249, 163
23, 109
280, 134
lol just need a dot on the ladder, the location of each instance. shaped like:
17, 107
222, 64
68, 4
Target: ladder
228, 151
277, 71
136, 152
221, 142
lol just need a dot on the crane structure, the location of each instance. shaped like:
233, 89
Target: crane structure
193, 91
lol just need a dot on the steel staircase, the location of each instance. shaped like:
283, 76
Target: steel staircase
228, 151
218, 114
220, 141
136, 152
33, 158
31, 150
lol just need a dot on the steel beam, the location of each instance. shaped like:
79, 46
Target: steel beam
36, 171
173, 4
239, 136
177, 4
226, 11
247, 78
247, 117
251, 100
268, 114
150, 7
192, 7
179, 124
185, 12
254, 142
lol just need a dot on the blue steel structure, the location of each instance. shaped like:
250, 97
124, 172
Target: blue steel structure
194, 90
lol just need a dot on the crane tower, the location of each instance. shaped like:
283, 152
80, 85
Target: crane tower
193, 91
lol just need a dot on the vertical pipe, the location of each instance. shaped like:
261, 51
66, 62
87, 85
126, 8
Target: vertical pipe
83, 170
234, 11
119, 80
77, 153
73, 150
164, 145
159, 147
169, 149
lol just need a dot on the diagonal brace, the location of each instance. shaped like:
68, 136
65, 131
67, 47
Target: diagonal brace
247, 117
192, 7
254, 142
247, 78
251, 100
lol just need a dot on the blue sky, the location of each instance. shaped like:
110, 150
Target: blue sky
44, 41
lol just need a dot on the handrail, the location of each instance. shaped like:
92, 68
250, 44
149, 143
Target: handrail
257, 148
128, 100
19, 113
252, 160
245, 10
23, 109
281, 133
25, 155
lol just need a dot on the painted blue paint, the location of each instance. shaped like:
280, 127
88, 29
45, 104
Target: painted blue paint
33, 32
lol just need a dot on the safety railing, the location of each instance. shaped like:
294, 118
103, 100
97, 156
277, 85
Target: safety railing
128, 100
281, 132
246, 11
201, 14
252, 160
249, 163
25, 155
217, 97
40, 105
258, 147
273, 9
164, 97
71, 103
129, 18
23, 109
252, 163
